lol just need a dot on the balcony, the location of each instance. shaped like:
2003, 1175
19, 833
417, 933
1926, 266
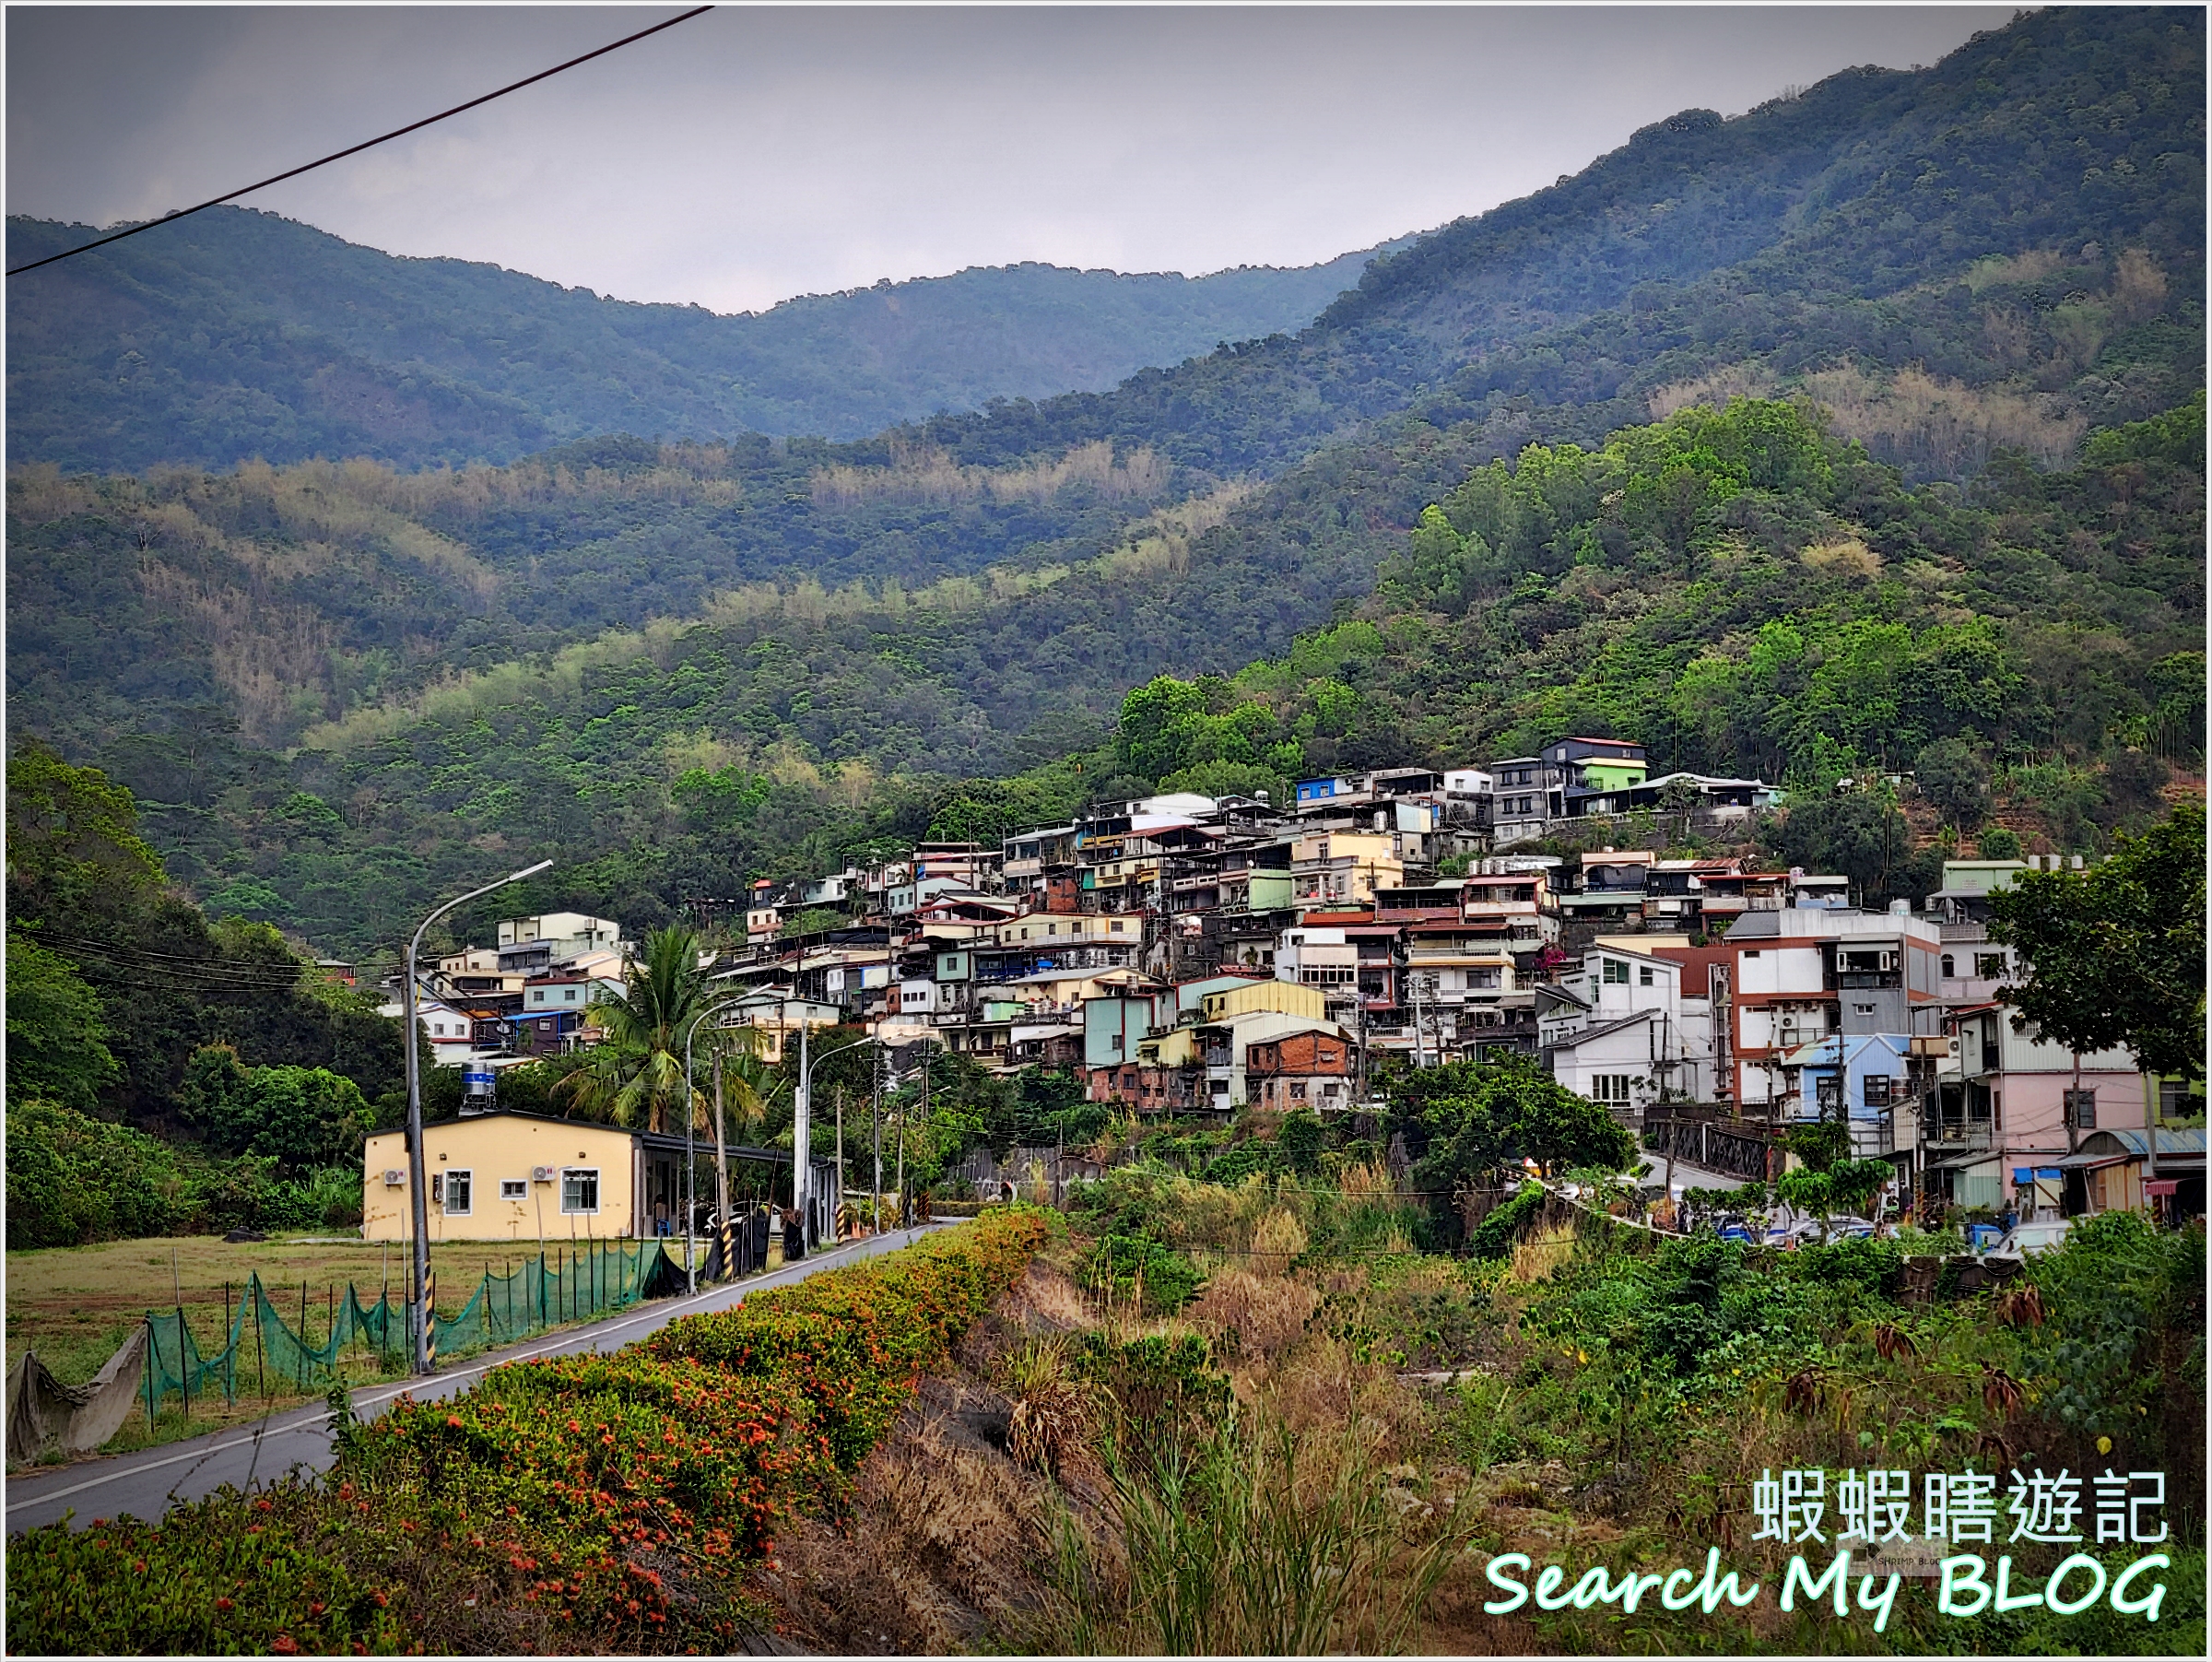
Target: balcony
1850, 981
1958, 1136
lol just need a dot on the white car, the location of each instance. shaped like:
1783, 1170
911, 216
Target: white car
2027, 1238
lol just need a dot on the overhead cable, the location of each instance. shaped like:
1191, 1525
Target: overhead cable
366, 144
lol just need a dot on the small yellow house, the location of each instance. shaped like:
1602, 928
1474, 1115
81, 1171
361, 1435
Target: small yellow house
514, 1177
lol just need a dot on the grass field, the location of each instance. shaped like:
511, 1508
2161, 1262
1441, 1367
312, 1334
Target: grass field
76, 1305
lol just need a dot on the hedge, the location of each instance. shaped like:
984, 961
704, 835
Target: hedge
580, 1503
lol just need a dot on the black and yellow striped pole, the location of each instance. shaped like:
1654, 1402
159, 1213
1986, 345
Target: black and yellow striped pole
729, 1250
430, 1317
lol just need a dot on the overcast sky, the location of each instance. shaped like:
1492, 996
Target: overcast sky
755, 153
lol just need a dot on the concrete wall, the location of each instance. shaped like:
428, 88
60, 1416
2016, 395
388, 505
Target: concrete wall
499, 1148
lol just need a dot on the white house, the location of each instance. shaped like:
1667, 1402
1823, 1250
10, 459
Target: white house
1620, 1031
450, 1033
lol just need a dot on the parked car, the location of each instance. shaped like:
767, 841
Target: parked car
2026, 1238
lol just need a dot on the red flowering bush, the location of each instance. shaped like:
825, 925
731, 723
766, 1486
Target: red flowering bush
855, 1340
578, 1503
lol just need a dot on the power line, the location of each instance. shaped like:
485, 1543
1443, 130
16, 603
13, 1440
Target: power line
365, 145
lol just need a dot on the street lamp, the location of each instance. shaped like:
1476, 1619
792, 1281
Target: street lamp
417, 1184
800, 1127
690, 1181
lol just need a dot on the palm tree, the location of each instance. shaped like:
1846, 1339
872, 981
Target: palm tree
637, 1070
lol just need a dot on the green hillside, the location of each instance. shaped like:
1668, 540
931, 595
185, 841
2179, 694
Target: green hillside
1739, 590
237, 335
338, 682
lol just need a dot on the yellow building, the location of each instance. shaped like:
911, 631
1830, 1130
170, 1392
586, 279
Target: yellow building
514, 1177
1288, 998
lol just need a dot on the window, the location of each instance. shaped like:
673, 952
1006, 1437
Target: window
2081, 1110
1879, 1089
436, 1188
1644, 975
438, 1027
456, 1194
1988, 966
570, 996
1298, 1090
1117, 927
1617, 973
514, 1188
2173, 1099
579, 1188
1611, 1088
1950, 967
1827, 1092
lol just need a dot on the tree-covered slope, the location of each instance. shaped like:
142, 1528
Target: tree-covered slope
1738, 589
1829, 226
237, 335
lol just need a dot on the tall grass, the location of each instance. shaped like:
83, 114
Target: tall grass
1247, 1542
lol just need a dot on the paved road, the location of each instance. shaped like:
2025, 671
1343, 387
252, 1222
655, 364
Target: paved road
146, 1484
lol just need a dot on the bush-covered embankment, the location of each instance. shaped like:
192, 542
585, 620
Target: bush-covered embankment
582, 1503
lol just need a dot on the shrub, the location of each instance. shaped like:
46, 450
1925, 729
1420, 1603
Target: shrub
1156, 1278
583, 1503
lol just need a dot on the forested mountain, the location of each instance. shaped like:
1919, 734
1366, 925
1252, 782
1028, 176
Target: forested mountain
237, 335
342, 688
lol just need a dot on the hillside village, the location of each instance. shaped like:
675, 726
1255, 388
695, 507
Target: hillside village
1192, 956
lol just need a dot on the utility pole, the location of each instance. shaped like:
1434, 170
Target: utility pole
875, 1138
801, 1104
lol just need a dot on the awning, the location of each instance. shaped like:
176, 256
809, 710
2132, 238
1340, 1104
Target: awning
2160, 1185
2073, 1162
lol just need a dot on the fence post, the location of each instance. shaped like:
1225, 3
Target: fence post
150, 1371
183, 1365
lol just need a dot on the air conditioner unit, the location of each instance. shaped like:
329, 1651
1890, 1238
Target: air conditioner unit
394, 1179
541, 1173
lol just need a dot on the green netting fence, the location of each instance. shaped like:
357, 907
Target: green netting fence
266, 1352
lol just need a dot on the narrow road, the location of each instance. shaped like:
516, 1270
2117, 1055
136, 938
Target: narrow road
148, 1483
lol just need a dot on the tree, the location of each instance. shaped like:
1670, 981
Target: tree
1953, 774
303, 1117
636, 1074
1858, 833
1470, 1119
56, 1032
2115, 953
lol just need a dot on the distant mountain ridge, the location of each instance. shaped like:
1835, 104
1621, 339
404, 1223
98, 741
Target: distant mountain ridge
239, 334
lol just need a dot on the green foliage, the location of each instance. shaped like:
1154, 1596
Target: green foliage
1953, 774
1858, 833
1156, 1279
1997, 842
2116, 952
1465, 1121
56, 1034
1493, 1237
635, 1076
302, 1117
73, 1179
114, 981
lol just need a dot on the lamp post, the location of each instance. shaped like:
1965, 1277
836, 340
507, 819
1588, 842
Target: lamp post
800, 1127
417, 1184
690, 1182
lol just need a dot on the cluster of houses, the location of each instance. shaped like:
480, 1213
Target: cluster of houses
1189, 955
